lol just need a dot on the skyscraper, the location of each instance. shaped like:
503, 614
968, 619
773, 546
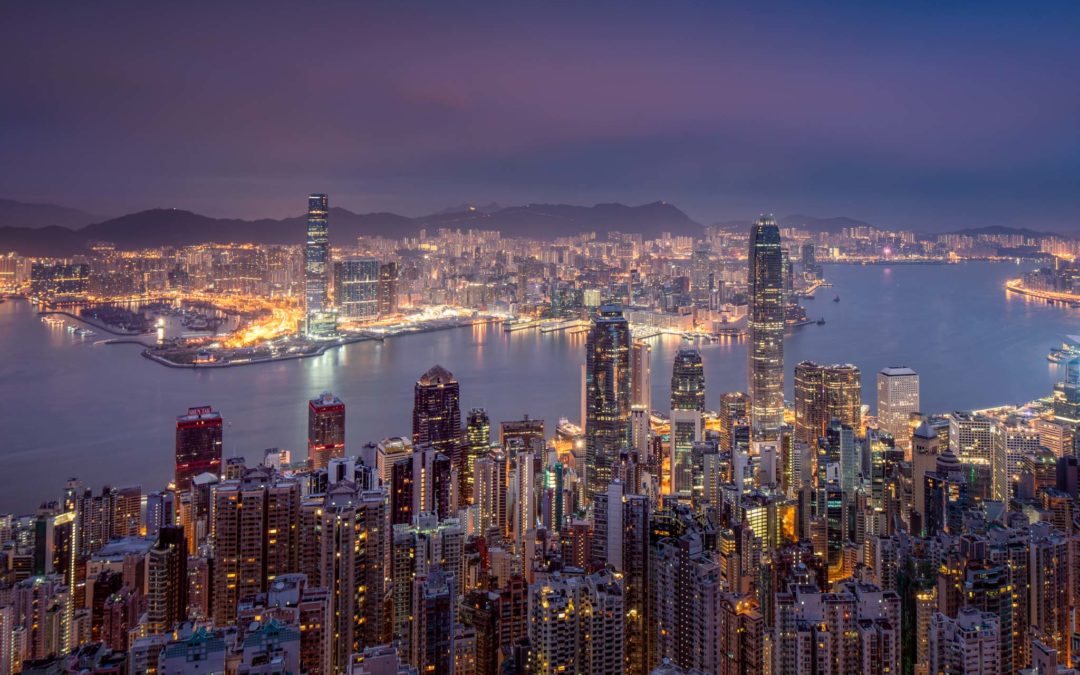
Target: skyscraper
166, 580
326, 430
765, 321
316, 267
198, 445
356, 288
607, 395
824, 393
687, 406
897, 399
477, 443
641, 375
388, 275
437, 413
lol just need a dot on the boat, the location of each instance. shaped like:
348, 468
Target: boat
836, 299
821, 322
1069, 349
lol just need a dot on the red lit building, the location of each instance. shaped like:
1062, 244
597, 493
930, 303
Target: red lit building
326, 430
198, 445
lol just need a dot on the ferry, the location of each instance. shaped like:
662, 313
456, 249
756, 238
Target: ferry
1069, 349
53, 320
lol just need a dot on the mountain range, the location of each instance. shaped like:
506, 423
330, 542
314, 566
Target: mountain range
49, 230
30, 233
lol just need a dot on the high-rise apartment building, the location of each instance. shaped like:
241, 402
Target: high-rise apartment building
687, 407
166, 581
255, 537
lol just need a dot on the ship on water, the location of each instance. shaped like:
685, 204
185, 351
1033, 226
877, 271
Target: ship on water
1069, 349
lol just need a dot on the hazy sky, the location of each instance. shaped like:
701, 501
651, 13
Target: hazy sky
919, 114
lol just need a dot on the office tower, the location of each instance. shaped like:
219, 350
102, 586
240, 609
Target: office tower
316, 268
166, 581
356, 288
576, 625
688, 381
255, 537
607, 396
353, 542
326, 430
824, 393
477, 444
967, 644
734, 409
198, 445
641, 375
640, 437
897, 400
701, 276
433, 629
388, 292
421, 482
765, 321
526, 434
687, 406
979, 443
839, 447
437, 414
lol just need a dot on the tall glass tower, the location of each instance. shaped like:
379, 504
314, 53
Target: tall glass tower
687, 406
766, 323
607, 396
316, 261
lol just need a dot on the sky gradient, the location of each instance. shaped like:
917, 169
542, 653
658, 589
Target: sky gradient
921, 115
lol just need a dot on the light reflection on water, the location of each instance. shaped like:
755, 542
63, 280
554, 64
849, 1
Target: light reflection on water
104, 414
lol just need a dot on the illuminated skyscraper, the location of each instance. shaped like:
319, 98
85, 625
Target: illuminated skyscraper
641, 375
824, 393
477, 444
766, 323
607, 395
198, 445
437, 413
897, 399
316, 268
326, 430
388, 275
356, 288
687, 406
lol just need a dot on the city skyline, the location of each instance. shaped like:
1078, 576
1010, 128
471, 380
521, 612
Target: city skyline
600, 419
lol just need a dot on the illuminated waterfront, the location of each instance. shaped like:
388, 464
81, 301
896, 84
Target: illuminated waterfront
974, 346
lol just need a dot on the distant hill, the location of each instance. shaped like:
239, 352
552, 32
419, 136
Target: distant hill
177, 227
33, 216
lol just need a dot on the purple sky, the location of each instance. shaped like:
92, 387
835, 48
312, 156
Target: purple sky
920, 114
